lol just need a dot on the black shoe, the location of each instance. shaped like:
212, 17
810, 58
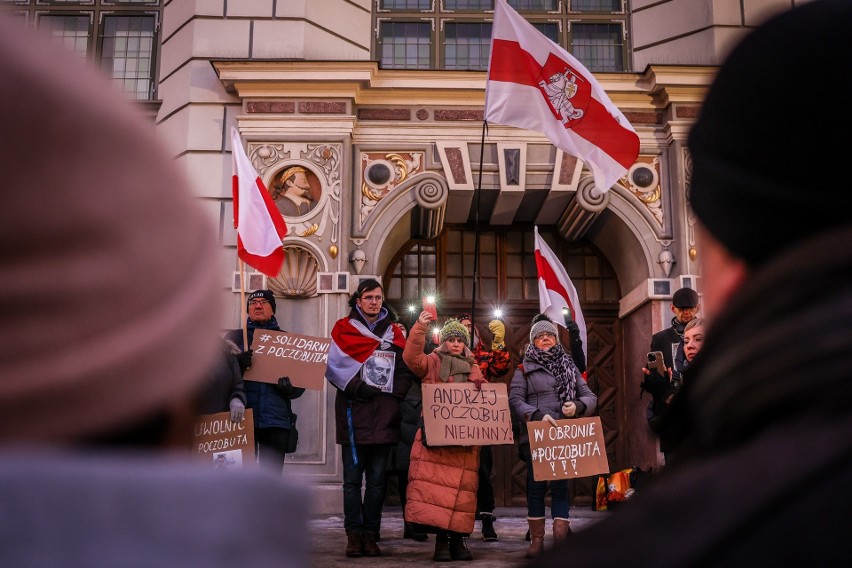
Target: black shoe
488, 534
458, 548
442, 548
409, 532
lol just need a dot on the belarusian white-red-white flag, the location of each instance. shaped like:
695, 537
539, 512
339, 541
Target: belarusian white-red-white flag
260, 227
555, 290
535, 84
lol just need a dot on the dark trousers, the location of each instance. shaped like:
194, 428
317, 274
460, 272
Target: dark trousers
364, 514
271, 445
485, 491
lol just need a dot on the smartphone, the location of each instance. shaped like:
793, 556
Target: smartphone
656, 362
429, 306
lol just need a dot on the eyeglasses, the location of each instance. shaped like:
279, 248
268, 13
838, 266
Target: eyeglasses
371, 298
258, 302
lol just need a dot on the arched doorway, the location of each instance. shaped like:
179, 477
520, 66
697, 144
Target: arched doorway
508, 280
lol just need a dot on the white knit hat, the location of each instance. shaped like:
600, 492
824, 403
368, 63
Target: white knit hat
543, 326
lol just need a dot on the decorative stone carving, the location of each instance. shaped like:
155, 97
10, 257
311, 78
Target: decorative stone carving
358, 259
298, 276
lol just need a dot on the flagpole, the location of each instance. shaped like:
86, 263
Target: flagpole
476, 237
246, 346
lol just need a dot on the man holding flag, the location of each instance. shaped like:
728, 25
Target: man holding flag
535, 84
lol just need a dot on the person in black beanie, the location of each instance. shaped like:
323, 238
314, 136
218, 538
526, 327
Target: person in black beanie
273, 411
762, 426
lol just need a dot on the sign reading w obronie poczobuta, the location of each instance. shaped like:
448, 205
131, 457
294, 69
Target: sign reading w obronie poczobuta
572, 448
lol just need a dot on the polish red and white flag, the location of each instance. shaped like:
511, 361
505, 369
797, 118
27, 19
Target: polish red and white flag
535, 84
260, 226
555, 290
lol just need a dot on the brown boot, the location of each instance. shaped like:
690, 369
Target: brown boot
353, 544
368, 540
561, 529
536, 537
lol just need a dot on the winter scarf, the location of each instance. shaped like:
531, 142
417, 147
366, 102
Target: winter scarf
559, 364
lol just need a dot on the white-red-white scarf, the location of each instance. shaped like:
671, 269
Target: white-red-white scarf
352, 344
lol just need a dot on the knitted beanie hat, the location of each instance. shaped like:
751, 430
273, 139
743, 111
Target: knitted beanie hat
543, 326
454, 328
110, 305
685, 298
763, 165
264, 295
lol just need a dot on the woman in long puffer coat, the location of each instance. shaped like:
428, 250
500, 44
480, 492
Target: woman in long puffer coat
442, 480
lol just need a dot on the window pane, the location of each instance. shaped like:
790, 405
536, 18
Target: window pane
550, 30
467, 45
405, 45
539, 5
598, 46
406, 4
468, 4
71, 32
127, 53
596, 5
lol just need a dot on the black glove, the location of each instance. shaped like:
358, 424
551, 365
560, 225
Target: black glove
573, 328
244, 359
366, 392
286, 387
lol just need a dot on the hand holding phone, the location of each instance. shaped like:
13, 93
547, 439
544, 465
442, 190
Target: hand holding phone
656, 362
429, 306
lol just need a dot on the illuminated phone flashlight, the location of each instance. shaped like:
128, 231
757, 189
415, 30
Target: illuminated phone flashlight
411, 308
498, 313
436, 335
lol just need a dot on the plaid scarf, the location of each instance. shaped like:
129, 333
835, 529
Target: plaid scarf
559, 364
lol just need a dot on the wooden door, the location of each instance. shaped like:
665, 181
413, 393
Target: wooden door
508, 280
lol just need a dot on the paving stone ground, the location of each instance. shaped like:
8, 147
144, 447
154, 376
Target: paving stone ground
329, 541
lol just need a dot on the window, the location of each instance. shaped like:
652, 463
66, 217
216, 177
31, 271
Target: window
598, 46
456, 34
467, 45
127, 50
506, 269
405, 45
122, 36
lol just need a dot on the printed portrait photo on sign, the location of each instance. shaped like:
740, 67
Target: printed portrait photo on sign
378, 370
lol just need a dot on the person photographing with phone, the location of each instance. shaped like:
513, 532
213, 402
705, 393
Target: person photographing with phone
661, 384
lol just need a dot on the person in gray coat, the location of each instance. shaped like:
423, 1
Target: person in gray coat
547, 386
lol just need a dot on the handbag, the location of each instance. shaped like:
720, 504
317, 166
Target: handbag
293, 438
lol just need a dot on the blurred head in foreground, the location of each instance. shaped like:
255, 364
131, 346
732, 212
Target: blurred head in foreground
108, 308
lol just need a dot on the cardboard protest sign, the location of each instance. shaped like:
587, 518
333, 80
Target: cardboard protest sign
573, 448
225, 444
283, 354
456, 414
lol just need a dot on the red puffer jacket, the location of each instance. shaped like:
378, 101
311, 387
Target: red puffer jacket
442, 480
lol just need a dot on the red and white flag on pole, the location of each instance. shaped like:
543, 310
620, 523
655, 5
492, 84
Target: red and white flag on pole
535, 84
555, 290
260, 226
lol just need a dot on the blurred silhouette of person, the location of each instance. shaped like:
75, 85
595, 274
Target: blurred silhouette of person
110, 314
761, 428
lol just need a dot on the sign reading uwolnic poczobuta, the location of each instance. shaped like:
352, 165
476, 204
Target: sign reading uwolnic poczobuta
573, 448
456, 414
